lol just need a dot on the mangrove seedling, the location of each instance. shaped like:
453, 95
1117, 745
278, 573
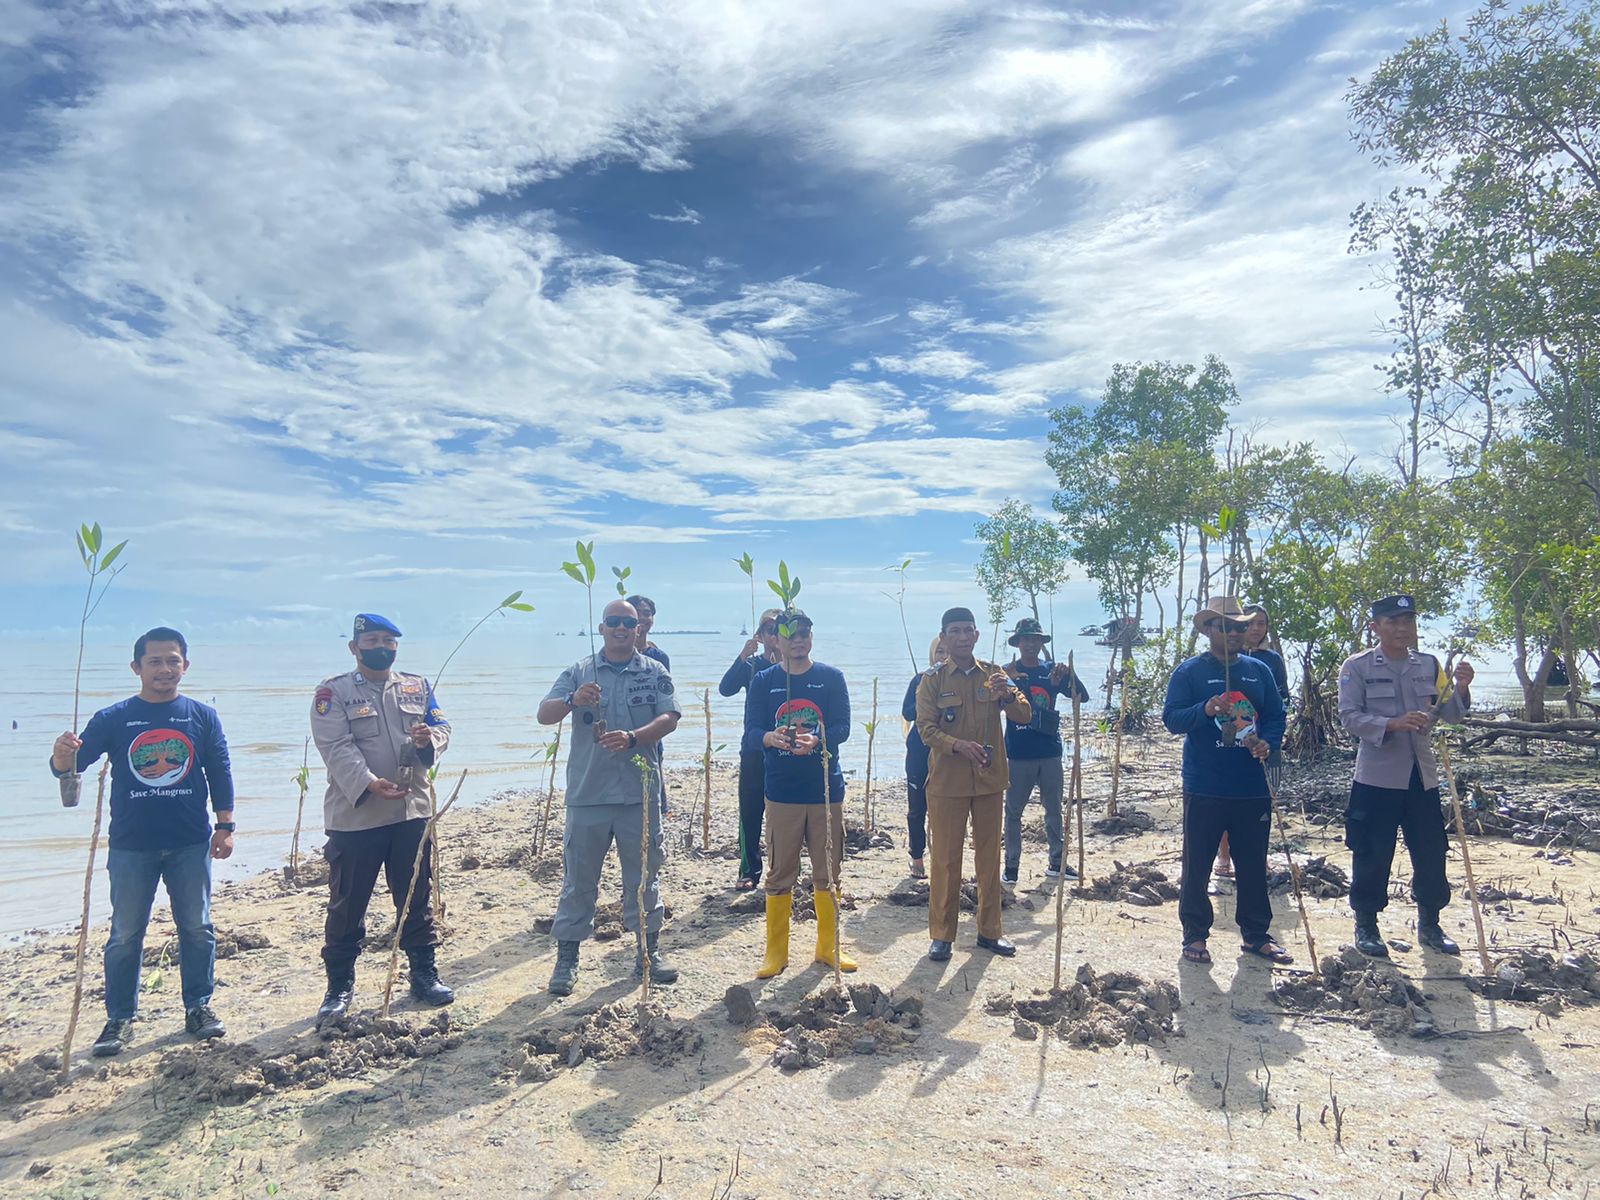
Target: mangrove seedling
787, 588
748, 565
899, 597
872, 732
90, 539
302, 779
583, 571
622, 574
705, 768
513, 602
551, 751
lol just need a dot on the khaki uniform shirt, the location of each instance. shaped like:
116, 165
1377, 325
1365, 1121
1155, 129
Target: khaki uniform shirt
1372, 689
363, 732
955, 705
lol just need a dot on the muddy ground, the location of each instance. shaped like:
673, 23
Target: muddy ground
967, 1078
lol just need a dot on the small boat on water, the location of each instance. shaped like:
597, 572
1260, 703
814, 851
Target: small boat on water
1093, 631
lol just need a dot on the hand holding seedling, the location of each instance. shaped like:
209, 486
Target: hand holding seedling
1258, 747
587, 696
615, 740
973, 752
801, 743
1411, 722
421, 735
999, 685
65, 754
1219, 706
1059, 672
750, 647
221, 844
778, 739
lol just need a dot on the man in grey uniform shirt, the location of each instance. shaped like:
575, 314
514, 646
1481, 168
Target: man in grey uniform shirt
1390, 696
622, 704
378, 731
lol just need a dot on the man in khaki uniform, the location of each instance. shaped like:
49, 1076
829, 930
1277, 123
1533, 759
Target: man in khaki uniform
1390, 697
378, 731
958, 715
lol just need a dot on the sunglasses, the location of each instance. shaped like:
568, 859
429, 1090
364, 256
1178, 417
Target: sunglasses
615, 622
1229, 626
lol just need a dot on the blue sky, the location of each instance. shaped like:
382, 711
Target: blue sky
331, 306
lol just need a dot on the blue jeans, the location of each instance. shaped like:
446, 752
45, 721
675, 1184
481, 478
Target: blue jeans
134, 874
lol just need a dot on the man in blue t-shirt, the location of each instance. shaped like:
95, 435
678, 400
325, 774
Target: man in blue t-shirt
800, 711
168, 755
1034, 748
1227, 706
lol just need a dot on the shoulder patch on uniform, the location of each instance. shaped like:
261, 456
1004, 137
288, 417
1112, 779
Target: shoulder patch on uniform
665, 687
323, 701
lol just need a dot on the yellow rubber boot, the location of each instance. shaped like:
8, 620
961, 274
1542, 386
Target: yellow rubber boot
777, 935
828, 933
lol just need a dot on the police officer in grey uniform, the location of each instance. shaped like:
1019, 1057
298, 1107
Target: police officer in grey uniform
622, 704
378, 731
1390, 697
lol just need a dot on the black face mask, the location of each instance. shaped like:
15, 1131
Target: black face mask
379, 658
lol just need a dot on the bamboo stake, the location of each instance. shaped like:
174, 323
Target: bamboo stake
1294, 875
303, 779
83, 926
411, 891
1116, 753
827, 855
1466, 855
1077, 770
872, 735
643, 938
705, 812
438, 867
550, 793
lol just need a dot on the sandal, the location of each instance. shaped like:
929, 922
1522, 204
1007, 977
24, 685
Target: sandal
1196, 952
745, 884
917, 869
1269, 950
1222, 870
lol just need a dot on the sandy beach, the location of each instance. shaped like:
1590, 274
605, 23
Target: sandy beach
936, 1080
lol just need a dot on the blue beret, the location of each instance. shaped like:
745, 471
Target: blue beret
367, 622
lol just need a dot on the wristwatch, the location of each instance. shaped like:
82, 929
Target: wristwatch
568, 700
633, 739
225, 826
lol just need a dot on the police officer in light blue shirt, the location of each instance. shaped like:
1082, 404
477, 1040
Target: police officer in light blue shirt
622, 705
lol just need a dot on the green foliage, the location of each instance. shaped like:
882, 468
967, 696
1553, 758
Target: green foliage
582, 571
787, 589
746, 564
622, 574
514, 602
1022, 553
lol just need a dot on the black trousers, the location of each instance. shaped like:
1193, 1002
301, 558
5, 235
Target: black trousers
354, 859
1371, 822
917, 798
1247, 822
752, 807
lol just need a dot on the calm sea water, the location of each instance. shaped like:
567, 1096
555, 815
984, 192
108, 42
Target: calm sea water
263, 693
489, 692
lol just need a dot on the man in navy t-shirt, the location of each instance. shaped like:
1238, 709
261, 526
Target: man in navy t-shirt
168, 755
1034, 748
800, 712
1228, 707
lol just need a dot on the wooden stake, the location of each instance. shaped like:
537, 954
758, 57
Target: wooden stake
827, 852
549, 795
643, 938
872, 734
1294, 876
83, 926
303, 778
438, 867
1077, 770
1466, 855
411, 891
1116, 753
705, 811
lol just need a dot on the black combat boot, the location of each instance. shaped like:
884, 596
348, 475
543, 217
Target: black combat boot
661, 971
1368, 940
566, 972
341, 985
425, 984
1429, 932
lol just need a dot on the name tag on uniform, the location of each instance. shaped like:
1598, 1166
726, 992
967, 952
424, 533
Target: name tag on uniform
364, 710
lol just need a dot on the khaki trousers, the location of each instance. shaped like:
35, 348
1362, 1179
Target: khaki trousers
947, 843
792, 826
